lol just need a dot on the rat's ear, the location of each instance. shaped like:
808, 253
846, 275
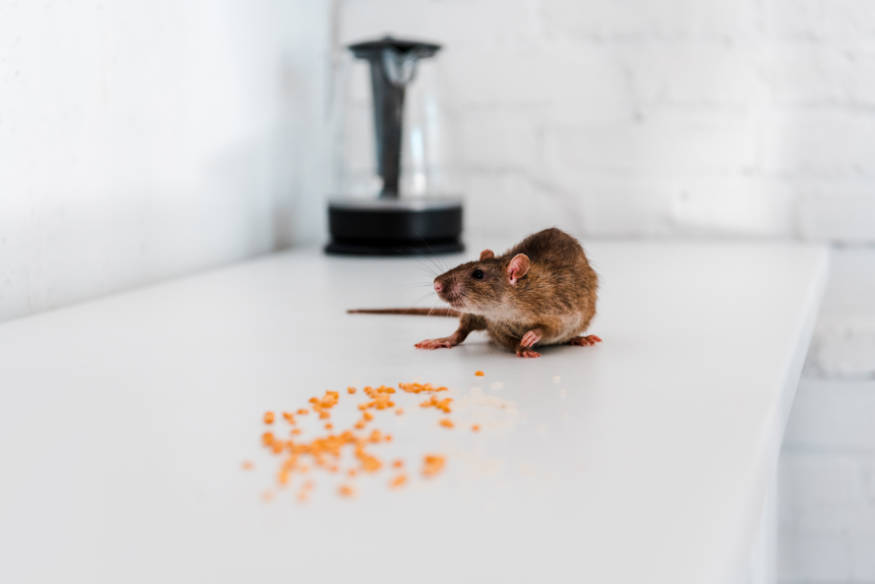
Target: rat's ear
518, 266
486, 254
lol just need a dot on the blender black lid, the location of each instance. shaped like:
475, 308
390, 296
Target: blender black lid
365, 49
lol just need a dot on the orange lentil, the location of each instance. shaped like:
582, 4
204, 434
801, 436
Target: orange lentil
368, 416
475, 428
247, 465
479, 373
268, 417
359, 425
399, 411
350, 390
296, 432
387, 437
446, 423
398, 463
329, 426
267, 438
398, 481
288, 417
441, 404
303, 412
351, 472
277, 447
432, 464
346, 491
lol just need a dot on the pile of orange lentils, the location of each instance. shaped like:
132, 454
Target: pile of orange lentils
298, 456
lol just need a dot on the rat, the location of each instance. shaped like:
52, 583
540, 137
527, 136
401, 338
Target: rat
541, 292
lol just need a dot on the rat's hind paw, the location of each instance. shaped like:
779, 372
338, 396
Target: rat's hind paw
444, 342
586, 341
527, 353
530, 338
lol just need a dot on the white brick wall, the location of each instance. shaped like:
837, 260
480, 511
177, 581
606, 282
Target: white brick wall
610, 105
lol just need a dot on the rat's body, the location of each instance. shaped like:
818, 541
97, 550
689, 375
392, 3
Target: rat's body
541, 292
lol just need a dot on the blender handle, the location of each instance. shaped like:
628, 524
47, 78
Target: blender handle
388, 95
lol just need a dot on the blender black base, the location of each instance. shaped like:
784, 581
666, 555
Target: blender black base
393, 248
395, 227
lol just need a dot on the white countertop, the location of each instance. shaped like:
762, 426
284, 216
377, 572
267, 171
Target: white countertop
123, 424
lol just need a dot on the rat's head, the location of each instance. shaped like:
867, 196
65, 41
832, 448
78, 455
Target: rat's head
480, 287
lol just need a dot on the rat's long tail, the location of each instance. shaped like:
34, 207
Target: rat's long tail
420, 311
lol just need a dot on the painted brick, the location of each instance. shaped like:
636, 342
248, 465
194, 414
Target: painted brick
814, 558
833, 414
665, 145
842, 214
863, 559
836, 20
588, 79
810, 479
457, 23
693, 74
827, 144
669, 18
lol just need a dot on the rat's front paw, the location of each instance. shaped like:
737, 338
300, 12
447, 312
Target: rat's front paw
445, 342
527, 353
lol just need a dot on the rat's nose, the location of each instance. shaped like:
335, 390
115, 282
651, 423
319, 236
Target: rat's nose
438, 286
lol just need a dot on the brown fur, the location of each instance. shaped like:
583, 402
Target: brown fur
553, 302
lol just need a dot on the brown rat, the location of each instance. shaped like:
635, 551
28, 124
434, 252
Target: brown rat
541, 292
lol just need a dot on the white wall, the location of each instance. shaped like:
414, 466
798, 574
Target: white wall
146, 139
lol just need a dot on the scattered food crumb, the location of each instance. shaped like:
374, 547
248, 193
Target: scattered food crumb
267, 496
475, 428
496, 385
556, 379
563, 393
324, 452
479, 373
432, 464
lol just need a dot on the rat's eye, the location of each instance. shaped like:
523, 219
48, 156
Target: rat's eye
477, 274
